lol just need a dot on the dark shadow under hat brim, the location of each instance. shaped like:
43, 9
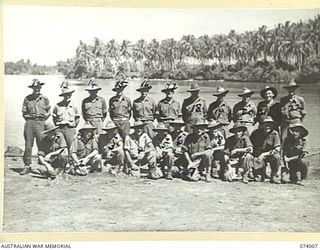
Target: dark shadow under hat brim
222, 93
193, 90
69, 92
119, 89
245, 94
167, 90
144, 88
38, 85
234, 130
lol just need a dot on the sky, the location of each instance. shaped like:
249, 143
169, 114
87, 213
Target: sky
46, 34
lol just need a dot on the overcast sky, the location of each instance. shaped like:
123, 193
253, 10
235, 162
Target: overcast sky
48, 34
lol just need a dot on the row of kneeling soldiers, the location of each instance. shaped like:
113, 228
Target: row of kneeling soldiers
200, 151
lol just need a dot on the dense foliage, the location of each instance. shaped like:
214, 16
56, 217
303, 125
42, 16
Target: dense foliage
289, 50
26, 67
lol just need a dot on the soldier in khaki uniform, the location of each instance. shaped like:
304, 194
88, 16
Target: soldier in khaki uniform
53, 153
178, 136
293, 108
120, 108
94, 108
198, 153
244, 112
35, 110
220, 110
163, 145
145, 108
66, 115
84, 152
140, 151
169, 108
194, 108
112, 149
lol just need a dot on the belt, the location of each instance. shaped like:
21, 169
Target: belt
36, 119
121, 119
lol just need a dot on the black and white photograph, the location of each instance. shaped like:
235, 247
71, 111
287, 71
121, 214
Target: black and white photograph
161, 119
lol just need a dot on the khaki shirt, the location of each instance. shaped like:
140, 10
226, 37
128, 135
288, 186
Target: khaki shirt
292, 107
165, 143
36, 107
135, 146
220, 112
169, 109
82, 149
244, 112
179, 142
218, 139
233, 143
65, 113
120, 108
194, 143
48, 145
273, 110
145, 109
94, 108
194, 111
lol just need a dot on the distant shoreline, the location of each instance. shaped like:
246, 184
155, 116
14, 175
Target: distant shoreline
162, 79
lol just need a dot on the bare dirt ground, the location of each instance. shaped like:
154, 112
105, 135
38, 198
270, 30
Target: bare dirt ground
101, 203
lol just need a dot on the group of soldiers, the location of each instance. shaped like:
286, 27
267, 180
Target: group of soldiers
189, 141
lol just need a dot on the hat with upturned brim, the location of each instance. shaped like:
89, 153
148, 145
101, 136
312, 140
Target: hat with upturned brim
298, 125
193, 87
292, 85
238, 127
177, 122
36, 83
49, 128
171, 86
220, 91
92, 85
267, 88
87, 127
269, 120
120, 85
65, 89
109, 126
161, 128
246, 92
138, 124
145, 86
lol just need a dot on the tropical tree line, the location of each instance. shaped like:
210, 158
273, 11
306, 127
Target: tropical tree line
27, 67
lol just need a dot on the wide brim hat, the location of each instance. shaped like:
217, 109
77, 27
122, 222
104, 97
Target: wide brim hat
49, 128
35, 83
160, 128
171, 86
193, 87
246, 92
274, 91
92, 85
236, 127
144, 86
65, 91
200, 124
292, 85
109, 126
120, 85
137, 124
87, 127
303, 131
268, 119
220, 91
215, 124
177, 122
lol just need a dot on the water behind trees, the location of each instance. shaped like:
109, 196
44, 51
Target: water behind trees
16, 88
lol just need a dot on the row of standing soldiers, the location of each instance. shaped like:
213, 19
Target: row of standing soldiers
201, 150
